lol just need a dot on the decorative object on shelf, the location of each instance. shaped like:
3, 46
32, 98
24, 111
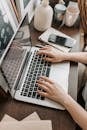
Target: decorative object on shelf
72, 14
24, 7
59, 12
43, 16
36, 3
61, 2
83, 14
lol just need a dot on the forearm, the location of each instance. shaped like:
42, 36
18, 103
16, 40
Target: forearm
77, 57
77, 112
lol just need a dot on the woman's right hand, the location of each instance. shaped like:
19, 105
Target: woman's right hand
52, 54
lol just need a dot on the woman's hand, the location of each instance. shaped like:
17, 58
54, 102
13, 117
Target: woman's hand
51, 90
53, 55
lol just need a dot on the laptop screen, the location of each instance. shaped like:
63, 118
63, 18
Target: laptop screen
7, 33
6, 30
15, 56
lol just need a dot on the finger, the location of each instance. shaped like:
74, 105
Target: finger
44, 94
44, 84
45, 52
42, 52
46, 47
43, 87
46, 79
48, 59
43, 48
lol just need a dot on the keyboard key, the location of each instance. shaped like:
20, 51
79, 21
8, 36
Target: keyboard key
30, 89
34, 95
26, 90
42, 98
48, 71
24, 94
29, 94
38, 96
35, 89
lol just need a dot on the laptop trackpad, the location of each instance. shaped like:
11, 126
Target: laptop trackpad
60, 74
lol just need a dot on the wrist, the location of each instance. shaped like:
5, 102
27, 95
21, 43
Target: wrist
71, 57
67, 101
63, 100
67, 56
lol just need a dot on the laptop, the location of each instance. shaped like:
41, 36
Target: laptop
21, 67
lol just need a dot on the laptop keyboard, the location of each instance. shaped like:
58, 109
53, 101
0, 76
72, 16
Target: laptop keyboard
37, 67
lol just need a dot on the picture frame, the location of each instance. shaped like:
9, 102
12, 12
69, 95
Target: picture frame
13, 10
7, 27
26, 6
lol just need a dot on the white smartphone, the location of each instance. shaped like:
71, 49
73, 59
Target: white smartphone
59, 40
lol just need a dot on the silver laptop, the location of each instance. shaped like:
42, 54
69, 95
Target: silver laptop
21, 67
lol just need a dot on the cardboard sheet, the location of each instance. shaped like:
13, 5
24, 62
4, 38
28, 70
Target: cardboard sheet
26, 125
33, 116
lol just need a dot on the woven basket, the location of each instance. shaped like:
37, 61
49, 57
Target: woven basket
83, 13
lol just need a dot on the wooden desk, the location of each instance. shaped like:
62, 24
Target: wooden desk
61, 120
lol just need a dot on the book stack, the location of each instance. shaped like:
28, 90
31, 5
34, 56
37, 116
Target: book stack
32, 122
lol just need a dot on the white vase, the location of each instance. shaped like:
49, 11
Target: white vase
43, 16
